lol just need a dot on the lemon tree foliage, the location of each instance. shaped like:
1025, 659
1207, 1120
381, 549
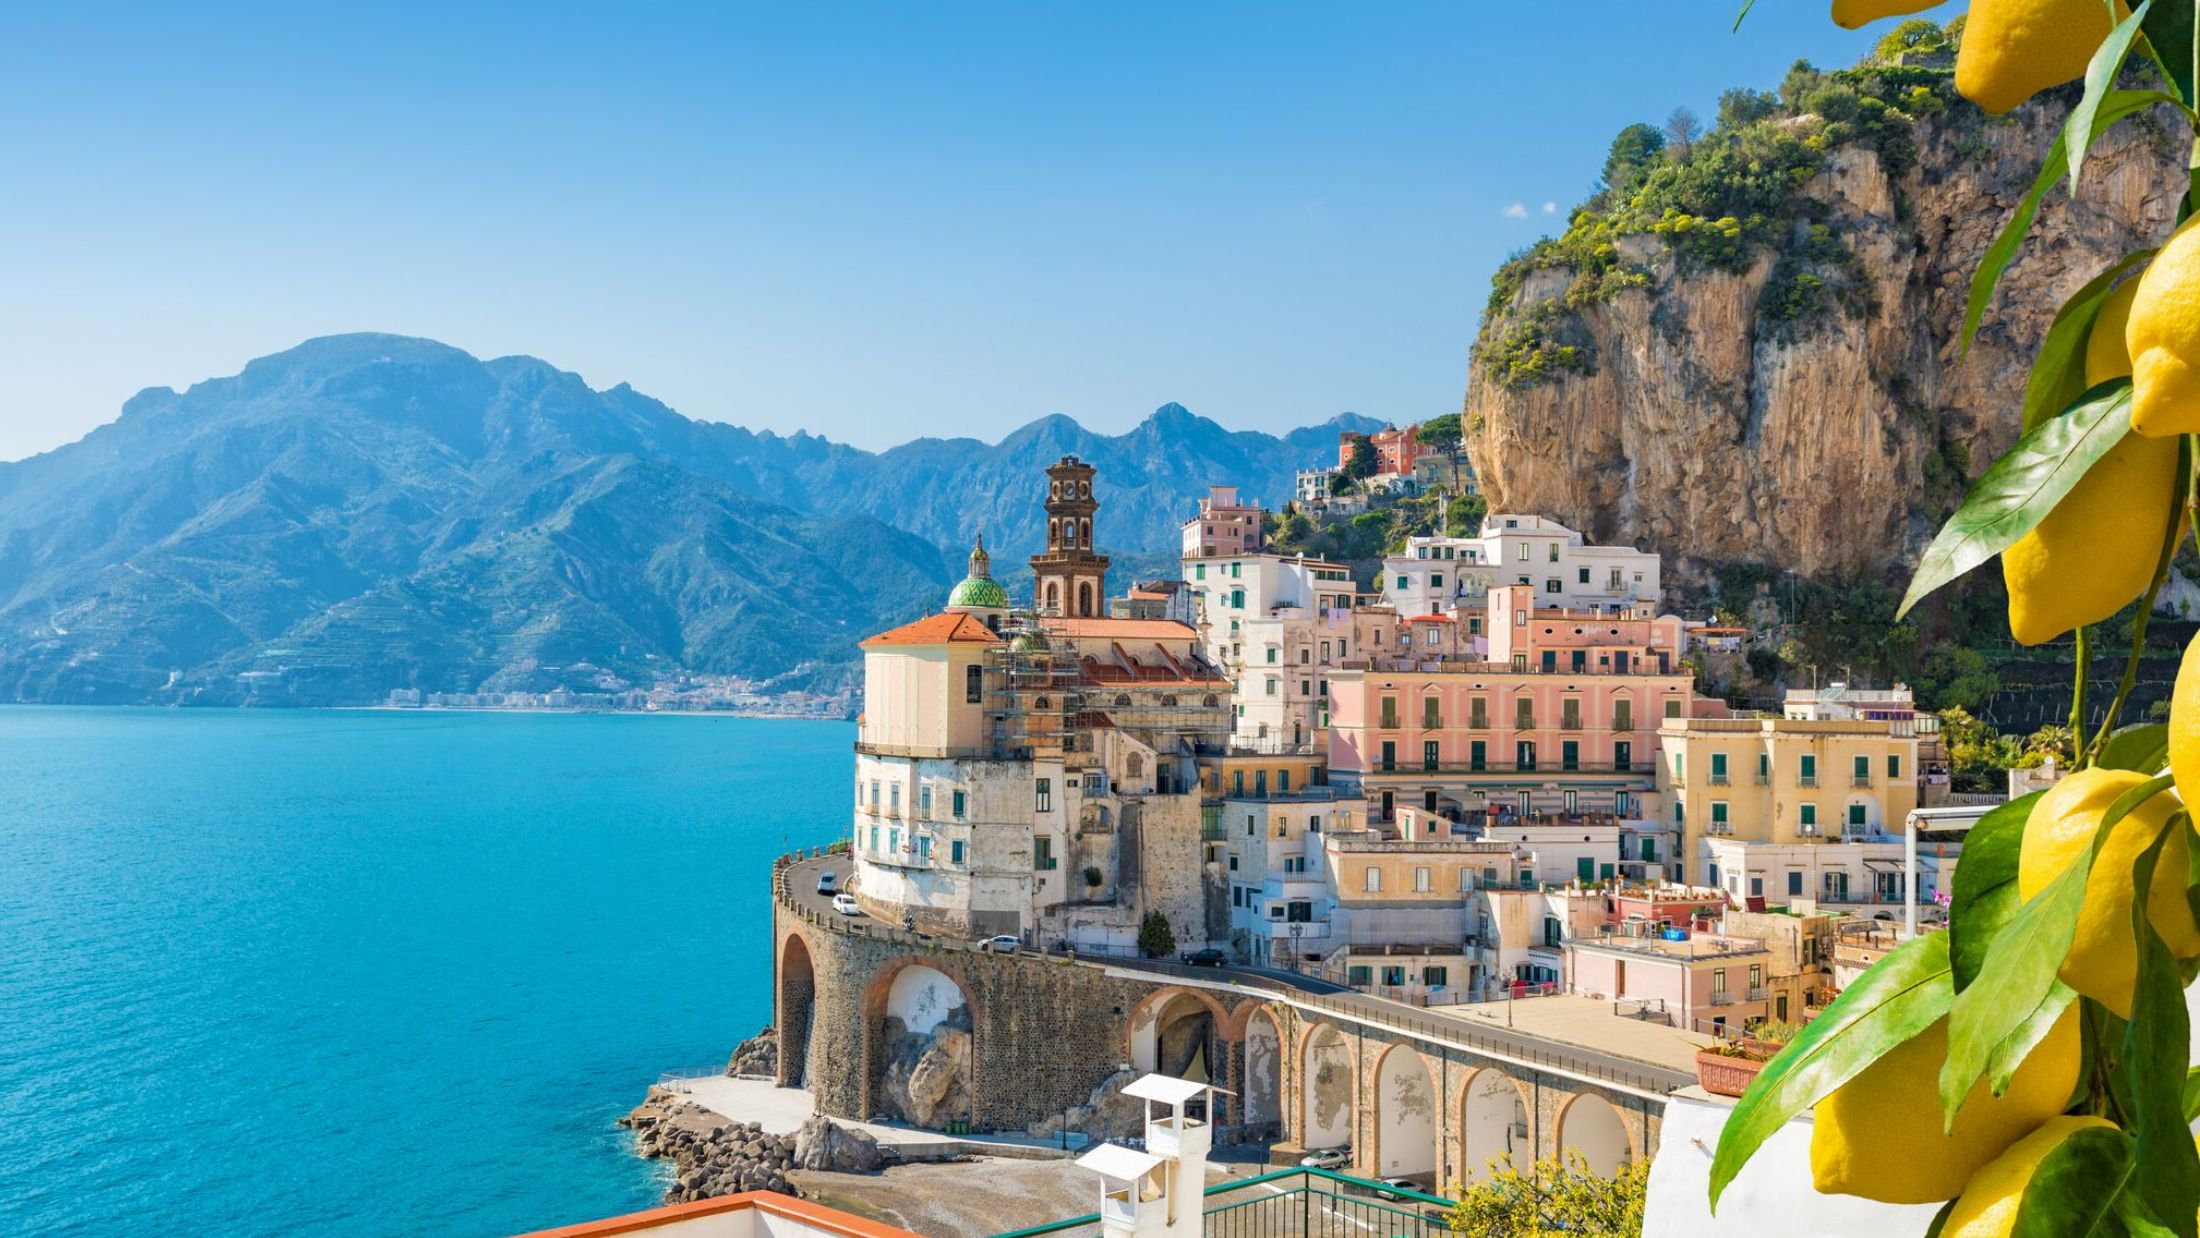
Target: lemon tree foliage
1553, 1198
2029, 1066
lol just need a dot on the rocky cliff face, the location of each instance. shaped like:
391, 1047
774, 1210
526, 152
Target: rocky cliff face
1707, 427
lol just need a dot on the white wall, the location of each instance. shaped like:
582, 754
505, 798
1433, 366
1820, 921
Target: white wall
1772, 1194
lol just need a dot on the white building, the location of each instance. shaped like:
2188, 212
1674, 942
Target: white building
1442, 573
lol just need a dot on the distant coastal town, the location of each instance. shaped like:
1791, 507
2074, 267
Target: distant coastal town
607, 693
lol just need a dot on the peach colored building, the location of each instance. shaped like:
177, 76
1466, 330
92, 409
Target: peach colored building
1395, 449
1224, 526
1701, 981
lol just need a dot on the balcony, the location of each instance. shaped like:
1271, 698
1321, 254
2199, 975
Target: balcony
1720, 780
1722, 998
1759, 993
1806, 780
1418, 769
1860, 780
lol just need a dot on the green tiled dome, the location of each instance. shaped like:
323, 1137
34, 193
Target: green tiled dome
979, 593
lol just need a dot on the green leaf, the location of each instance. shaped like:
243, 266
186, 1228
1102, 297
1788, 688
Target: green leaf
2058, 369
2169, 39
1940, 1220
2142, 746
2018, 491
2100, 74
1747, 5
2157, 1045
2074, 1192
2117, 105
1985, 887
2192, 1093
1898, 997
2019, 972
2001, 1065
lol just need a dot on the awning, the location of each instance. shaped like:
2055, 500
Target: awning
1167, 1089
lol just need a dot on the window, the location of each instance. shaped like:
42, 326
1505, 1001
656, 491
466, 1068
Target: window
1294, 864
1478, 754
1436, 580
924, 801
1234, 571
1404, 583
1237, 597
1756, 970
893, 839
1394, 974
1523, 555
893, 799
959, 801
1524, 713
1421, 880
1718, 769
1894, 767
1807, 771
1569, 710
1478, 713
1524, 758
973, 685
1861, 771
1374, 881
1042, 853
1199, 571
1435, 977
1764, 769
1275, 911
1390, 712
1584, 579
1554, 585
1554, 930
1718, 979
1428, 756
1857, 813
1672, 707
1271, 681
1623, 714
1390, 756
1719, 822
1272, 655
1431, 713
1809, 819
1283, 781
874, 838
1045, 792
1569, 757
1623, 758
1357, 974
1795, 883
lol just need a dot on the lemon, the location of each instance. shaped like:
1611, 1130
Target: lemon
1988, 1206
2091, 555
2103, 962
2014, 49
1849, 14
2184, 724
2163, 339
1879, 1134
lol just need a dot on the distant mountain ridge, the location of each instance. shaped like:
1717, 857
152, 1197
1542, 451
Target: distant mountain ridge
365, 512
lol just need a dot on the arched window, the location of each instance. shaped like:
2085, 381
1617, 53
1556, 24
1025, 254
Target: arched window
1084, 530
1210, 701
1042, 703
1054, 596
1137, 765
1084, 599
1122, 700
1168, 701
974, 684
1054, 532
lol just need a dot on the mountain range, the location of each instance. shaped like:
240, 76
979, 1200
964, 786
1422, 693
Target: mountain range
367, 512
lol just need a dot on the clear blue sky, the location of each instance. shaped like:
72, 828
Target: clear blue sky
869, 221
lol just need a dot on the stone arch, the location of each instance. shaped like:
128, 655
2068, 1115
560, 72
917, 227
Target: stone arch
1175, 1031
1493, 1125
1328, 1087
1054, 597
1262, 1085
1589, 1126
1084, 599
919, 1029
796, 1008
1405, 1114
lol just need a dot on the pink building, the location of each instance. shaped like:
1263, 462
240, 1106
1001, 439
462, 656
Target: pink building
1558, 720
1224, 526
1702, 980
1395, 449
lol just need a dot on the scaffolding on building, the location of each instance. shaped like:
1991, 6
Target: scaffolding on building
1043, 700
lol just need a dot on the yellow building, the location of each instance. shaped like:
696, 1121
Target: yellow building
1781, 780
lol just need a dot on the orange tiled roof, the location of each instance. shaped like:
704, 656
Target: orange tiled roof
942, 629
1120, 629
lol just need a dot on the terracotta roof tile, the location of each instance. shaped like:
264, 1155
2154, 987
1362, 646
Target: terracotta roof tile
941, 629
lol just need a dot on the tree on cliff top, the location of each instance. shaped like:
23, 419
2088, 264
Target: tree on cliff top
1633, 151
1155, 937
1361, 463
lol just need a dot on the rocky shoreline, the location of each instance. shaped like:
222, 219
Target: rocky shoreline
712, 1156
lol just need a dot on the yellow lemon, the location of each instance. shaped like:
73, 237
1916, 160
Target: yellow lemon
2103, 962
1988, 1206
2162, 336
1849, 14
2014, 49
2071, 570
2184, 725
1879, 1136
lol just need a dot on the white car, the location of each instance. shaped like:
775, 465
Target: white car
845, 904
1399, 1184
1327, 1158
1003, 944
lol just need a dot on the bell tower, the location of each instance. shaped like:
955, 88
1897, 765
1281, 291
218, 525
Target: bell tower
1072, 577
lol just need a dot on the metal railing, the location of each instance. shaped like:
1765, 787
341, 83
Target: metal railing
1296, 1203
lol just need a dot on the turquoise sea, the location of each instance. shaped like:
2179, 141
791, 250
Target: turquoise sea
365, 973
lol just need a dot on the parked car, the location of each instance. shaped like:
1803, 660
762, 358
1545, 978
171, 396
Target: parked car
1004, 943
1327, 1158
845, 904
1397, 1185
1210, 957
828, 882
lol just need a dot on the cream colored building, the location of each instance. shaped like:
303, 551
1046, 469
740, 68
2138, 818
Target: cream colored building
1780, 780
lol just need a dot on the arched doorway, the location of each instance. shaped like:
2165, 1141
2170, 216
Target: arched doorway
1174, 1033
919, 1047
1589, 1126
1263, 1082
1493, 1126
796, 1008
1326, 1089
1405, 1115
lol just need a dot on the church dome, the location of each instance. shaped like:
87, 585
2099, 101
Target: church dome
978, 590
1028, 641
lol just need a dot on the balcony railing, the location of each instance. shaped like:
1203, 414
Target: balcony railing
1516, 767
1860, 780
1722, 998
1806, 780
1720, 780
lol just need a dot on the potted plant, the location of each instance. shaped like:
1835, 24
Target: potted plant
1726, 1068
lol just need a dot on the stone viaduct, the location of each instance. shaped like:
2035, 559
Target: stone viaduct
1414, 1094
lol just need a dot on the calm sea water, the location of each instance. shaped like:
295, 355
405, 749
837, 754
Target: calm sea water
352, 973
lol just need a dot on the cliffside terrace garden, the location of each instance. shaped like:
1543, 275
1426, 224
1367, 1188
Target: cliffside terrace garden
2028, 1068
